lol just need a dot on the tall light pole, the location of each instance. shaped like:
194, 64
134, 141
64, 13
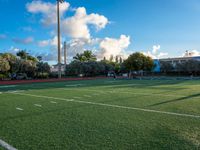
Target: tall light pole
59, 50
65, 53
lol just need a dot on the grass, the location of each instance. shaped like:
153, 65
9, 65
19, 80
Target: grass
61, 124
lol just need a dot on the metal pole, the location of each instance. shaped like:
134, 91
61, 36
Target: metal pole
59, 51
65, 53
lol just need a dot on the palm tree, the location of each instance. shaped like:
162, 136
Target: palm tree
39, 58
85, 56
89, 56
22, 54
78, 57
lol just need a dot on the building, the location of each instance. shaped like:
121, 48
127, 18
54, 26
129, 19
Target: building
54, 68
173, 61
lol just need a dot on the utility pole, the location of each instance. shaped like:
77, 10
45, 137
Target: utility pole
59, 51
65, 53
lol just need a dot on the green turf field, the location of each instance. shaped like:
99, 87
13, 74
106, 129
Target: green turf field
101, 114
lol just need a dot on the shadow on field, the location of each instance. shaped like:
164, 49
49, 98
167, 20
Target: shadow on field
177, 100
169, 139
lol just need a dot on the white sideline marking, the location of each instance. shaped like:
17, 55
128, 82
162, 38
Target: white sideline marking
11, 91
114, 106
6, 145
7, 86
37, 105
53, 102
19, 108
87, 95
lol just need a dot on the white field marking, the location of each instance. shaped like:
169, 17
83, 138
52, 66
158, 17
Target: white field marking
53, 102
11, 91
37, 105
8, 86
20, 109
87, 95
1, 93
95, 94
113, 106
6, 145
77, 97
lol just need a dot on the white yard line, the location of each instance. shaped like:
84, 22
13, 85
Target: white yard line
20, 109
37, 105
6, 145
113, 106
87, 96
53, 102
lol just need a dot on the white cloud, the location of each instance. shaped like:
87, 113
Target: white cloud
48, 10
27, 40
161, 55
155, 49
155, 54
43, 43
50, 42
110, 46
191, 53
77, 25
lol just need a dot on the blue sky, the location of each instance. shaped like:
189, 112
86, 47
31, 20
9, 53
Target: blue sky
172, 24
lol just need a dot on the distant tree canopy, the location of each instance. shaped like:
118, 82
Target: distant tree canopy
22, 62
138, 61
86, 56
86, 64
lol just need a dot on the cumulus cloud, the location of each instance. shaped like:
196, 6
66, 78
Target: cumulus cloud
191, 53
27, 40
48, 10
155, 49
50, 42
43, 43
77, 26
111, 46
155, 54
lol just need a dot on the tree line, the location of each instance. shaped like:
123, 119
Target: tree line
86, 64
22, 66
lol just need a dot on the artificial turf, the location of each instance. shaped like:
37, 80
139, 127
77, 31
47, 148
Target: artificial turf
61, 124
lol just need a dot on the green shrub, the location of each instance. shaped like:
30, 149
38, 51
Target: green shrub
2, 76
43, 75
